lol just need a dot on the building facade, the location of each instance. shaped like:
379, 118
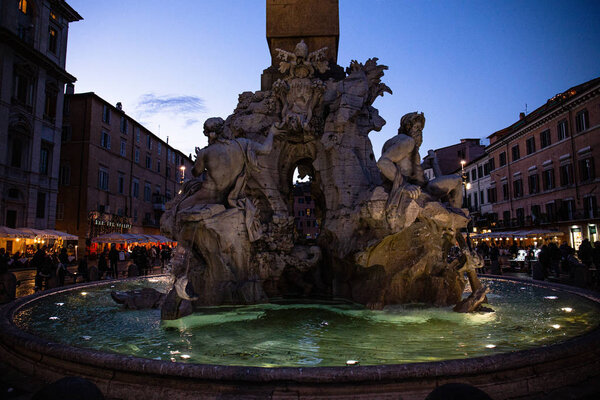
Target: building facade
115, 175
479, 194
33, 49
543, 166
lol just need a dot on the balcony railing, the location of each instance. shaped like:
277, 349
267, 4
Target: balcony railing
542, 219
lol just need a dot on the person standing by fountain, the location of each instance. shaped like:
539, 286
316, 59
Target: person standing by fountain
113, 257
8, 283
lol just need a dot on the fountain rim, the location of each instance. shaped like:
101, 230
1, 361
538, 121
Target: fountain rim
11, 335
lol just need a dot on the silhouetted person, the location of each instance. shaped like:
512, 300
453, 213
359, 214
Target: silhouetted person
494, 260
102, 265
82, 269
8, 283
585, 252
555, 257
113, 257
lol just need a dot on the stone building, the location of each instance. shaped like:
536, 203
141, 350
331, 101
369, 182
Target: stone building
479, 194
33, 49
305, 217
115, 175
449, 157
543, 167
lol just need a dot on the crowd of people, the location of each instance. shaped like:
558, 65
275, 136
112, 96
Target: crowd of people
548, 261
52, 266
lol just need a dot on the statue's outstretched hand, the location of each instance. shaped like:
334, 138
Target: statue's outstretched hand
413, 191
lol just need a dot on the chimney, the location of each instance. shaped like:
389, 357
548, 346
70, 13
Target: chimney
522, 115
119, 106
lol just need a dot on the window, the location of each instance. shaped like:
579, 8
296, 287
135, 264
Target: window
64, 175
52, 39
474, 174
545, 140
581, 121
123, 151
136, 156
531, 145
486, 168
567, 209
121, 183
520, 216
518, 188
506, 217
461, 154
492, 195
148, 161
551, 212
516, 154
16, 155
566, 175
123, 125
106, 114
534, 184
168, 194
135, 215
137, 134
177, 159
590, 207
23, 86
168, 171
505, 193
492, 163
480, 171
50, 101
586, 169
158, 147
23, 6
105, 140
301, 200
149, 142
563, 129
548, 179
147, 192
502, 159
535, 213
40, 207
102, 178
475, 201
135, 187
44, 160
157, 189
158, 166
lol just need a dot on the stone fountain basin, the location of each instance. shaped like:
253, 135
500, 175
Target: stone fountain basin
527, 373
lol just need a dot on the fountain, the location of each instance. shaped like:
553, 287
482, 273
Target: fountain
252, 310
385, 229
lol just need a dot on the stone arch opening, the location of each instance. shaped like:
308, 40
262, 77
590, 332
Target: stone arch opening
306, 202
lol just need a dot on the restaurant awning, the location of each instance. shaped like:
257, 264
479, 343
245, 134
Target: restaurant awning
534, 233
130, 238
7, 232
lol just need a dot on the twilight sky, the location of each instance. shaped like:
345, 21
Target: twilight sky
470, 66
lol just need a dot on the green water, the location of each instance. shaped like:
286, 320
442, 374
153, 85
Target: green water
273, 335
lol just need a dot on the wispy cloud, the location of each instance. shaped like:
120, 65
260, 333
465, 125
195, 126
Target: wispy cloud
151, 104
190, 122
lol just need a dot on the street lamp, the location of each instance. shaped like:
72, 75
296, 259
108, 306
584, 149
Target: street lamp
466, 186
182, 168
